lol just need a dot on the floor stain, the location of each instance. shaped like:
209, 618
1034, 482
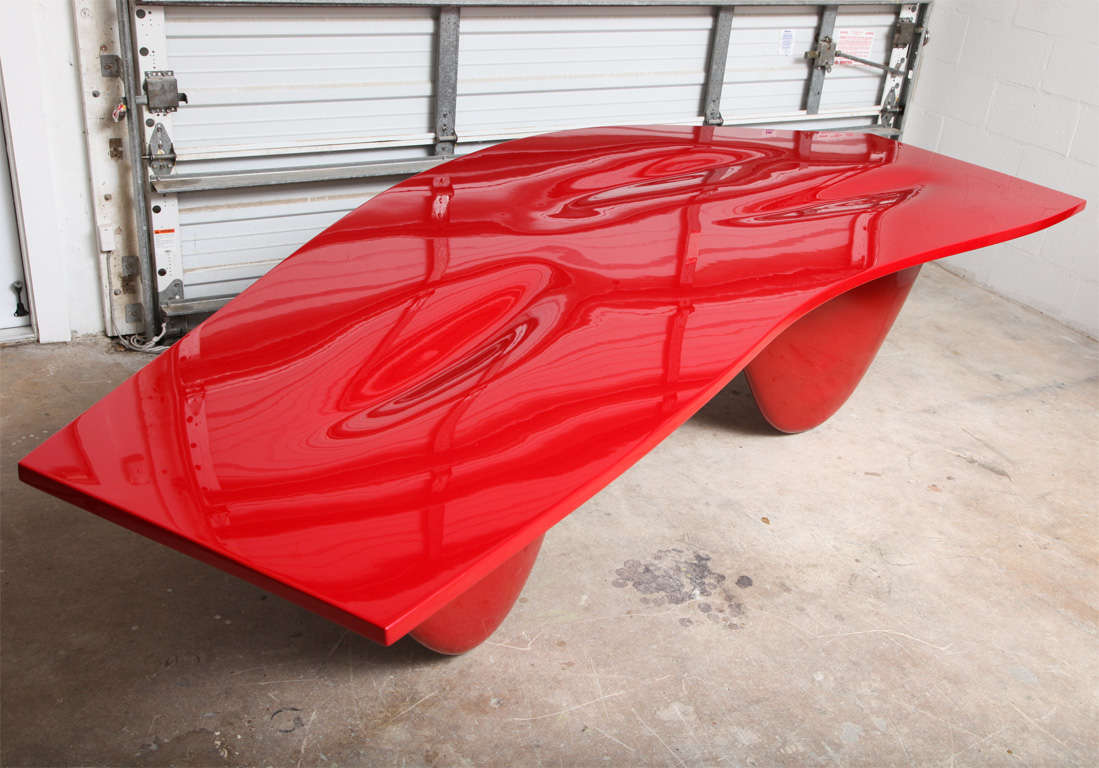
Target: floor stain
675, 576
287, 719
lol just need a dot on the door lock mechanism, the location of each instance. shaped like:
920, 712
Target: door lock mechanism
162, 92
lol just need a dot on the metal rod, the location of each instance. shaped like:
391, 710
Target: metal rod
135, 141
816, 74
265, 177
200, 182
868, 63
715, 73
446, 79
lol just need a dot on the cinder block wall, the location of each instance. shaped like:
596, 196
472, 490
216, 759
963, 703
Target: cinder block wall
1013, 85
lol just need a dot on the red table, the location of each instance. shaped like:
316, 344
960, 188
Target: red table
384, 426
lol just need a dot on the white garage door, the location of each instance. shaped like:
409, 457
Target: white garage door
319, 89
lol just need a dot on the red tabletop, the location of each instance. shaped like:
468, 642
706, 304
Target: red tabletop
439, 377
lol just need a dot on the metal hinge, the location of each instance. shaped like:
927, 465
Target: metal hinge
174, 292
890, 110
162, 154
162, 92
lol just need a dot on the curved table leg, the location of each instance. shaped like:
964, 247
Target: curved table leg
467, 620
809, 370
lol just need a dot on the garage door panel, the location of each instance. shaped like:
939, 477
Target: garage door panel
306, 123
852, 84
761, 73
298, 22
255, 82
222, 283
652, 93
551, 111
879, 16
573, 66
204, 244
213, 220
592, 43
539, 20
283, 88
762, 97
301, 76
298, 52
230, 238
853, 91
555, 75
301, 125
267, 158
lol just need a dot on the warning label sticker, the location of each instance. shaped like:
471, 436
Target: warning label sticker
786, 42
857, 42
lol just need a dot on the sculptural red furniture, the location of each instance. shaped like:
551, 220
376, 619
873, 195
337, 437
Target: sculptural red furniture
384, 426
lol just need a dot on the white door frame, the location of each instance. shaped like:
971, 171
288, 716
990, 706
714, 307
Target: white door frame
21, 97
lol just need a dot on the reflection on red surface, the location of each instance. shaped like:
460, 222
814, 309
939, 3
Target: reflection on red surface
424, 388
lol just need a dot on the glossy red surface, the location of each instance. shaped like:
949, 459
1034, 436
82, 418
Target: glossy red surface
428, 385
468, 620
809, 370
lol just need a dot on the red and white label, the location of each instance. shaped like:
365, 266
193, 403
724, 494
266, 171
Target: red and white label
857, 42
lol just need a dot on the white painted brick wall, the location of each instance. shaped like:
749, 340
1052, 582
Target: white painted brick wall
1013, 85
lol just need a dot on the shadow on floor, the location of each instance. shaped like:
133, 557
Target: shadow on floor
734, 409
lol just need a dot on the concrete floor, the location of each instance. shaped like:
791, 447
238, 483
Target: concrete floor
913, 583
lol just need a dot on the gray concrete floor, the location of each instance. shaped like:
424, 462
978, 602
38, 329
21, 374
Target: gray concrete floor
913, 583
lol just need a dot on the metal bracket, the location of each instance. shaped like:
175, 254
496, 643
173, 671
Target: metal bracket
262, 177
905, 86
174, 292
162, 92
446, 79
110, 65
890, 108
162, 154
138, 178
715, 72
190, 307
823, 55
821, 58
904, 33
173, 305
